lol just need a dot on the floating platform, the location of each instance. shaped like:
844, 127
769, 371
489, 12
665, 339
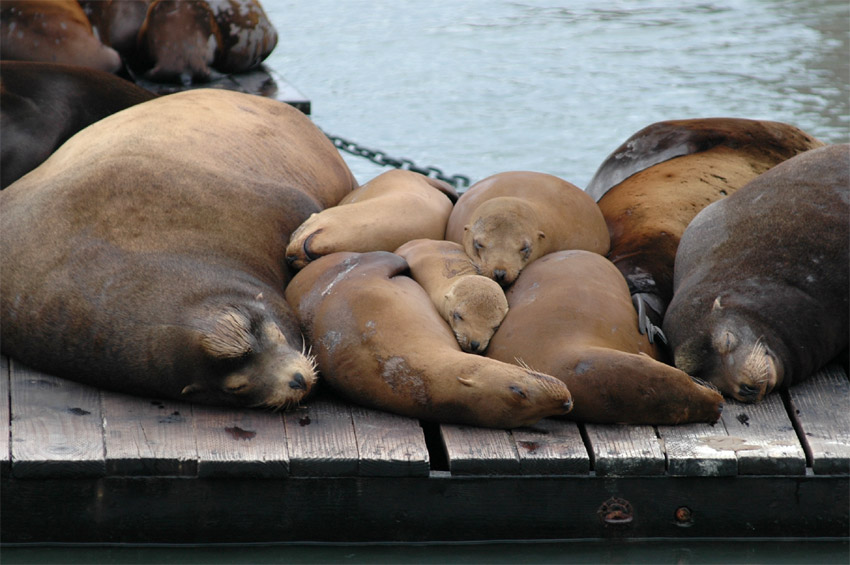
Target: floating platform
85, 465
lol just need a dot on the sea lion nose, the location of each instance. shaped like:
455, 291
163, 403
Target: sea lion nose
749, 393
474, 345
499, 275
298, 382
567, 405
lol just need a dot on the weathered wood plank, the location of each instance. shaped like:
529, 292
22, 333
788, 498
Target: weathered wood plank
698, 450
321, 439
389, 445
480, 451
5, 418
621, 450
762, 437
821, 405
148, 437
240, 443
551, 447
57, 428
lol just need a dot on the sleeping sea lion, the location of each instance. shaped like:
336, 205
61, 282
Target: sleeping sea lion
473, 305
571, 317
508, 220
379, 341
146, 255
388, 211
761, 282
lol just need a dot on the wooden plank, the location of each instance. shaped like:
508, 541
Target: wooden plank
5, 418
821, 405
762, 437
321, 439
389, 445
621, 450
240, 443
480, 451
148, 437
551, 447
697, 450
57, 427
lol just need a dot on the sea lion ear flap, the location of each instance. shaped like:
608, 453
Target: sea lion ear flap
230, 336
192, 389
541, 235
716, 307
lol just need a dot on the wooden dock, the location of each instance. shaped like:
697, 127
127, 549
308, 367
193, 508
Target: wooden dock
84, 465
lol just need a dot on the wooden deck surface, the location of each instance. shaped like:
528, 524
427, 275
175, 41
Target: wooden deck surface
85, 465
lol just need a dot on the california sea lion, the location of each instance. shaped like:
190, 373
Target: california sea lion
571, 317
43, 104
117, 22
146, 255
55, 31
761, 282
247, 35
379, 341
473, 305
651, 187
508, 220
383, 214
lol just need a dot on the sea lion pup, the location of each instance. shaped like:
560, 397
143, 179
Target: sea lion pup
472, 304
379, 341
761, 282
43, 104
55, 31
388, 211
571, 317
652, 186
508, 220
146, 255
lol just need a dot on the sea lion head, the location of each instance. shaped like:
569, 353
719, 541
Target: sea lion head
502, 238
476, 307
252, 363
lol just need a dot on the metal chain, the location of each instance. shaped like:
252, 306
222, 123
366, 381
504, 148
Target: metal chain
384, 160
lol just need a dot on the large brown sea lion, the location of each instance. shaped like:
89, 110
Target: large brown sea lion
508, 220
472, 304
43, 104
571, 317
652, 186
761, 283
379, 341
383, 214
146, 255
55, 31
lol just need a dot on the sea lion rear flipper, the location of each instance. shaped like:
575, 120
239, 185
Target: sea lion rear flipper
645, 325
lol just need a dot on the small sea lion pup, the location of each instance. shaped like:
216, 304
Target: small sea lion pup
146, 255
43, 104
761, 283
472, 304
652, 186
388, 211
508, 220
571, 317
55, 31
379, 341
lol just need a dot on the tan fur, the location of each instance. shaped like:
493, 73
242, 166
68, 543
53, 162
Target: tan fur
473, 305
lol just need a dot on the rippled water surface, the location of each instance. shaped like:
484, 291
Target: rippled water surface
483, 86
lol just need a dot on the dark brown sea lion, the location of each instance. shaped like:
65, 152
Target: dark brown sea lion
761, 282
43, 104
56, 31
571, 317
652, 186
508, 220
379, 341
117, 22
146, 255
247, 35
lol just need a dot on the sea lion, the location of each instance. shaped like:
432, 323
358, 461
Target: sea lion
571, 317
508, 220
391, 209
117, 22
146, 255
379, 341
247, 35
652, 186
43, 104
55, 31
473, 305
761, 281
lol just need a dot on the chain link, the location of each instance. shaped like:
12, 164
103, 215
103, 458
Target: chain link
384, 160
